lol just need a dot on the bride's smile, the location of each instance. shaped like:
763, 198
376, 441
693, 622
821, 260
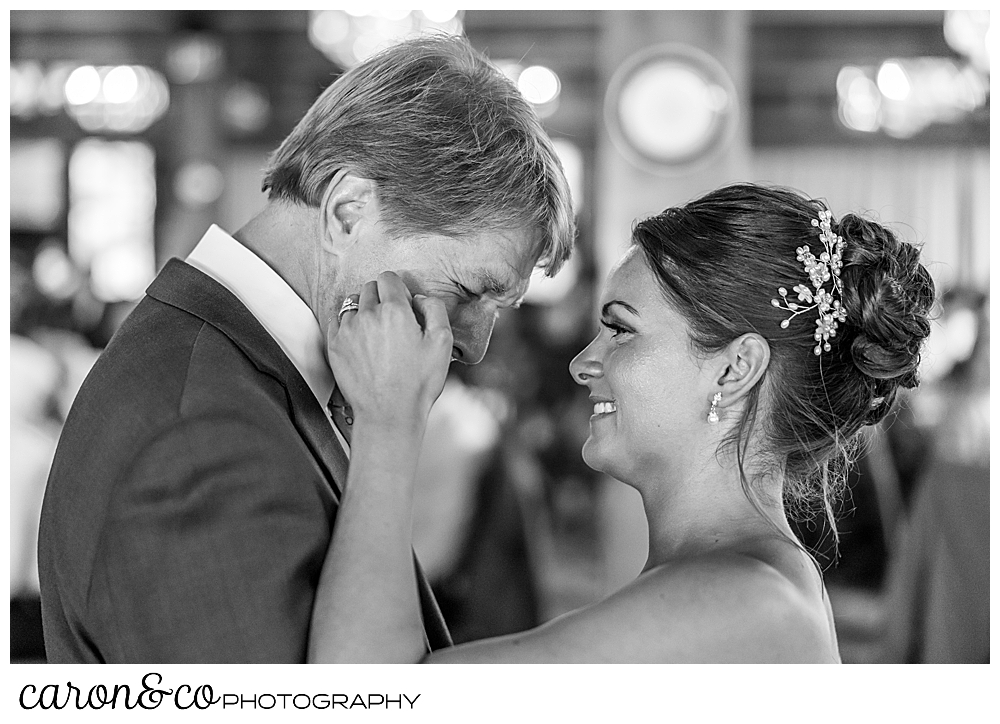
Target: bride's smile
604, 407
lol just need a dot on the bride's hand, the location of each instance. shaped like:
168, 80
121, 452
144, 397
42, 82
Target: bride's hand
389, 366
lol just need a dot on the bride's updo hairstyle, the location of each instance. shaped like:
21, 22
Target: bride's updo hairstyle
720, 261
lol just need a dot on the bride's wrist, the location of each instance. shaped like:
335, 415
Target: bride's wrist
397, 427
385, 454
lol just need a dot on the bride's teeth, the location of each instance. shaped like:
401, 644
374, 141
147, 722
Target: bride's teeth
603, 408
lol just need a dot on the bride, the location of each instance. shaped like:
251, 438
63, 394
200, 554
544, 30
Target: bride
746, 337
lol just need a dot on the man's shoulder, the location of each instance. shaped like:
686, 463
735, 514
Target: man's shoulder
150, 364
165, 376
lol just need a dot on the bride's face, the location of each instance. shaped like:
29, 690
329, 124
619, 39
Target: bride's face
651, 392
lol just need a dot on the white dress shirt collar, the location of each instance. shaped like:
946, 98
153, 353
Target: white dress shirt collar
275, 305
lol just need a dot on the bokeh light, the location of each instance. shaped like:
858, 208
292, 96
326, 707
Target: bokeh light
861, 106
968, 32
198, 183
54, 273
356, 31
440, 15
903, 96
893, 81
119, 99
539, 84
120, 84
195, 58
83, 85
246, 107
329, 27
112, 192
394, 13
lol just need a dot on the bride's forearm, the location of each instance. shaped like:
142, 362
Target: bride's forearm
367, 607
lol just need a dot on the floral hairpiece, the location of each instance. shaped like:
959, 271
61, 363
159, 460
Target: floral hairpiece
821, 270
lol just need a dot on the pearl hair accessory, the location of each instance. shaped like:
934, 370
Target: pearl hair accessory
825, 268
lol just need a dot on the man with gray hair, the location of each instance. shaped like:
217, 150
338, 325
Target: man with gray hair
193, 493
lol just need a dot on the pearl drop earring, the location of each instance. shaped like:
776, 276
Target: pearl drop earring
713, 414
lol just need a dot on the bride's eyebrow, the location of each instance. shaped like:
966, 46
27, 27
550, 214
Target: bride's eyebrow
606, 309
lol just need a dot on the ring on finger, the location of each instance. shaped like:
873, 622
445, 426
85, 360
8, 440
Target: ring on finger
350, 305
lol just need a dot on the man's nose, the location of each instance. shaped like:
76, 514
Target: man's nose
472, 332
585, 365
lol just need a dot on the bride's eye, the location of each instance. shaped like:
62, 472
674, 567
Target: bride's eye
615, 328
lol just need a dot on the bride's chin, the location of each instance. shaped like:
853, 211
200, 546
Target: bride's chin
608, 462
593, 458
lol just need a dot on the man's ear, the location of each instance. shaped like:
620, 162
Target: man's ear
742, 364
348, 202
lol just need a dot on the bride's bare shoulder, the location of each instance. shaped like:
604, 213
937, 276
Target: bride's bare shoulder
758, 605
718, 607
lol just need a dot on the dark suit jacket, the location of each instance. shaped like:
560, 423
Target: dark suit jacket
192, 494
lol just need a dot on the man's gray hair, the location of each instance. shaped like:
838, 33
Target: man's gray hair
452, 145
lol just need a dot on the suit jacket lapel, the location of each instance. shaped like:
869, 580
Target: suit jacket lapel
181, 285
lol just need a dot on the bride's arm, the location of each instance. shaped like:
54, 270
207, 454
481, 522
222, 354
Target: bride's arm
391, 370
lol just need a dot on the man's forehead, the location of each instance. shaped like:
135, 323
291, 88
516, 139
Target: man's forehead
498, 263
517, 253
521, 248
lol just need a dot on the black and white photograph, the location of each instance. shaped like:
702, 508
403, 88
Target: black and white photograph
557, 336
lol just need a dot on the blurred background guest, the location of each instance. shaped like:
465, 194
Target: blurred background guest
47, 366
133, 131
939, 576
33, 435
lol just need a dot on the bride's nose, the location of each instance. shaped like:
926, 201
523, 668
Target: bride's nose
585, 365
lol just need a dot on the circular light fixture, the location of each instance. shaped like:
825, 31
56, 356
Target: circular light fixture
671, 107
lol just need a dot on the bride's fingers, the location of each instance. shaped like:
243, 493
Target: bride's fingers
435, 315
392, 289
369, 298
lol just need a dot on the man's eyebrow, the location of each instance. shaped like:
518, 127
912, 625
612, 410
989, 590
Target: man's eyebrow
491, 284
628, 307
